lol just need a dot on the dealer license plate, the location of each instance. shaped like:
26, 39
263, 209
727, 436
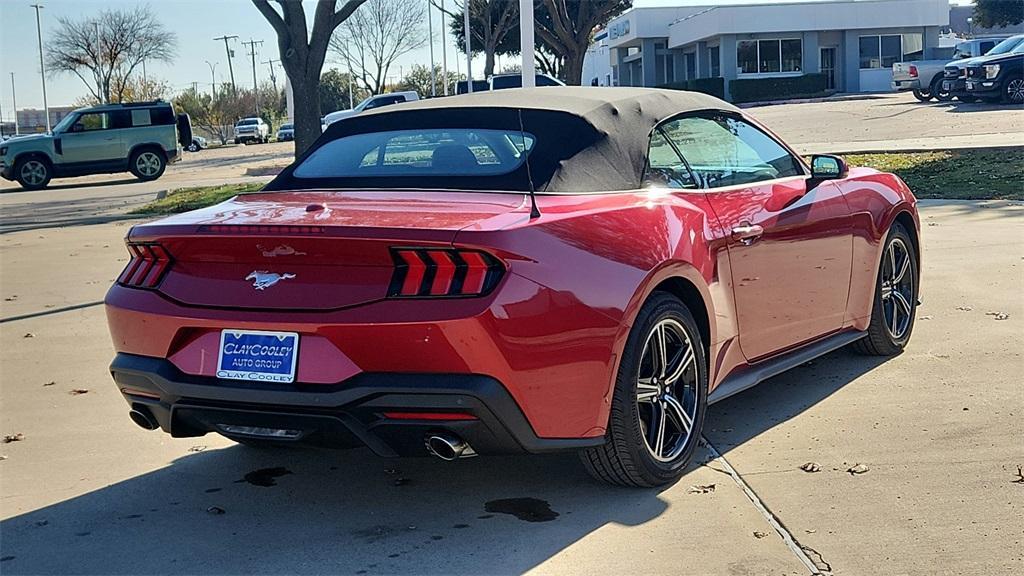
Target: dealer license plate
258, 356
947, 85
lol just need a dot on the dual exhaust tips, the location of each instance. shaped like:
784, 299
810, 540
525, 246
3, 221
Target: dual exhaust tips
441, 444
448, 446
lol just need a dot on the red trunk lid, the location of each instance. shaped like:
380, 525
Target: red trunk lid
311, 250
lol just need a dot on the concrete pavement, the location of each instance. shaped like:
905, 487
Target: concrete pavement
938, 427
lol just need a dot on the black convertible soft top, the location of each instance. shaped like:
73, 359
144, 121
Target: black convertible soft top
588, 139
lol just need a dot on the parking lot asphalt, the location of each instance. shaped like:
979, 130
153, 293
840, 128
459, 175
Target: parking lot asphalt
938, 428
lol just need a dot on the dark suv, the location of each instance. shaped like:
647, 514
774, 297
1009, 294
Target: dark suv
955, 73
998, 77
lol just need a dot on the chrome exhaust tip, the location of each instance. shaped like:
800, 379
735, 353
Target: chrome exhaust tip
448, 447
144, 418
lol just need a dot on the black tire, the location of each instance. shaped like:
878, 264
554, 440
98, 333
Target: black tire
937, 91
1013, 91
923, 95
626, 458
33, 172
147, 163
881, 340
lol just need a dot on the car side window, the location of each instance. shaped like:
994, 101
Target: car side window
91, 121
664, 166
722, 150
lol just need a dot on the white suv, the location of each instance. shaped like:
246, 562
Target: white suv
252, 130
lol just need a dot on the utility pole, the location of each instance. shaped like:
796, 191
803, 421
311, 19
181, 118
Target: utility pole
213, 78
252, 52
469, 55
430, 34
42, 68
444, 52
231, 68
195, 88
14, 100
527, 42
273, 77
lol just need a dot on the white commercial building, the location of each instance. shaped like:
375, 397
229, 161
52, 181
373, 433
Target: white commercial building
852, 42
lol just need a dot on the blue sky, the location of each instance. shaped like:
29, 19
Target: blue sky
196, 23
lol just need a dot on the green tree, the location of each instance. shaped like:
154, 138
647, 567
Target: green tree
566, 29
334, 91
418, 79
216, 115
495, 26
998, 13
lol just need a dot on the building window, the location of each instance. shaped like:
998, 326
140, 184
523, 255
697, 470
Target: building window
769, 56
880, 51
792, 56
715, 62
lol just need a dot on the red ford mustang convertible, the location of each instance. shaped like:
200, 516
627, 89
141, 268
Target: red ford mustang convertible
535, 270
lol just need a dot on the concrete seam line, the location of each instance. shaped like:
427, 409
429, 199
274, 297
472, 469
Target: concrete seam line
795, 547
48, 312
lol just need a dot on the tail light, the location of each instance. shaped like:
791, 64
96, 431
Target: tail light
439, 273
913, 71
149, 262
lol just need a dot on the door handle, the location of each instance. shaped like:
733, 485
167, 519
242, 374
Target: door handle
747, 233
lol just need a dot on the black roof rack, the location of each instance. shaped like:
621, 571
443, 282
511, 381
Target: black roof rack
148, 103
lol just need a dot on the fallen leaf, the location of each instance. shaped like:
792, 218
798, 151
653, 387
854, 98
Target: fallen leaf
78, 391
215, 510
1020, 476
925, 317
14, 438
29, 335
964, 308
197, 448
811, 467
759, 534
857, 469
933, 223
810, 531
50, 383
701, 489
1002, 316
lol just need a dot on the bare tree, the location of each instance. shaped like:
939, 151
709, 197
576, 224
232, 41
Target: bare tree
567, 28
374, 38
495, 26
303, 54
106, 50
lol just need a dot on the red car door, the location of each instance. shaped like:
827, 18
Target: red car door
790, 248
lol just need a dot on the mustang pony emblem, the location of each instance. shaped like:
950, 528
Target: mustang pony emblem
263, 279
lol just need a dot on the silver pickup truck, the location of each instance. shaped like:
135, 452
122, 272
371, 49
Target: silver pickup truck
924, 77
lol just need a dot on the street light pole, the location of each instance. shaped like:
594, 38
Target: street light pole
213, 78
467, 44
444, 52
430, 35
526, 42
42, 68
14, 100
231, 69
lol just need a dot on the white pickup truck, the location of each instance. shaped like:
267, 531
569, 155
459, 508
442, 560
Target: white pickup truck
924, 77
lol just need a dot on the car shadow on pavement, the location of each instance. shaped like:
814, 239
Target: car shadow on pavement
241, 510
72, 185
737, 419
245, 510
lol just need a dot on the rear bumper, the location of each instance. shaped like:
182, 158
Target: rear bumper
904, 85
350, 413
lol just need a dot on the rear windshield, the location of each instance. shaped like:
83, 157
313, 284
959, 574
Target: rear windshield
286, 126
422, 152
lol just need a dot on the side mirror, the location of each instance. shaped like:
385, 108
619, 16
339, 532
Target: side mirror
827, 167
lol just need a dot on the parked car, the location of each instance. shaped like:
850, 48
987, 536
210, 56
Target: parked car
377, 101
955, 74
478, 86
502, 81
924, 77
286, 132
139, 137
999, 77
198, 143
252, 130
474, 276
